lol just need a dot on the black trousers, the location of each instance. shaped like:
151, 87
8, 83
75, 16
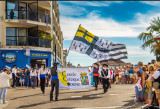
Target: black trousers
96, 80
14, 80
106, 84
42, 83
54, 84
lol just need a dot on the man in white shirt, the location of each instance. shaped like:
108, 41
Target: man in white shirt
14, 71
42, 78
4, 84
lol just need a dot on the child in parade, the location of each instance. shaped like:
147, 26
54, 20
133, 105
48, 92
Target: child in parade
22, 77
138, 86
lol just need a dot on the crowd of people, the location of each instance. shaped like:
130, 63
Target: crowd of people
145, 77
27, 77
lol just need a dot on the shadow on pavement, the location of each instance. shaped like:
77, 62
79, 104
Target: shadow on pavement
85, 97
63, 108
81, 91
36, 104
131, 104
25, 96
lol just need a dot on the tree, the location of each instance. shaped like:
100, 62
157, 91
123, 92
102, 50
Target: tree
151, 37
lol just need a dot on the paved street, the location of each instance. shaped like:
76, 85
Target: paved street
119, 96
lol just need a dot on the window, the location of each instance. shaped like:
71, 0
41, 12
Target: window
12, 12
22, 8
11, 39
16, 36
15, 10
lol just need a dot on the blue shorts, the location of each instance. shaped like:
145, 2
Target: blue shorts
22, 80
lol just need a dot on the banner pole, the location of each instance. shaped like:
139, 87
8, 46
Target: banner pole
72, 40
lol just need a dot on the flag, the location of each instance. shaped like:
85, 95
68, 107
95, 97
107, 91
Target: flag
87, 43
118, 51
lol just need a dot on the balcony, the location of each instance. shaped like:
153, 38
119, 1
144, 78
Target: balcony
27, 41
28, 15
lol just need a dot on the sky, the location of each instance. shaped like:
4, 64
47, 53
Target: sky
122, 20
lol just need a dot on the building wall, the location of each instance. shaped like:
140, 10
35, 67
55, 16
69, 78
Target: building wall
46, 5
22, 59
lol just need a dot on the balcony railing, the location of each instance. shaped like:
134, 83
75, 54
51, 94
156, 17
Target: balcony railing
27, 41
29, 15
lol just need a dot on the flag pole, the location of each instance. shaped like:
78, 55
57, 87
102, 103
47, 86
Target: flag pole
72, 40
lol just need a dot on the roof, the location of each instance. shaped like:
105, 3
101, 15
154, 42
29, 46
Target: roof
65, 51
114, 62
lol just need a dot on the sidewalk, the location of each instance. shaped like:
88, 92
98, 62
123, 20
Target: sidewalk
3, 105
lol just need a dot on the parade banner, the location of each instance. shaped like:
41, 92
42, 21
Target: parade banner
74, 78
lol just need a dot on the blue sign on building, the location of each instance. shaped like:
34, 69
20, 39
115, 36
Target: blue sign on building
18, 57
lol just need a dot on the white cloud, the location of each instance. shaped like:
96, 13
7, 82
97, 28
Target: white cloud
154, 3
94, 3
106, 27
71, 10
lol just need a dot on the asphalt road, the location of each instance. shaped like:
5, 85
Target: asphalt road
119, 96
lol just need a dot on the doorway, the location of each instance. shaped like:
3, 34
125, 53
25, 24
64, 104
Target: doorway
36, 63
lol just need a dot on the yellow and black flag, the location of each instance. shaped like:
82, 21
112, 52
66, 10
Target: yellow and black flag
87, 43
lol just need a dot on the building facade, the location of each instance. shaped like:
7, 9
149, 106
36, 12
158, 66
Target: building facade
29, 31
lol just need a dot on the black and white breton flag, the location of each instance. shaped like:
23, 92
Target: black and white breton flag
86, 43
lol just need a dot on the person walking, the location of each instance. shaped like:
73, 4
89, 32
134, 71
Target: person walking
105, 77
14, 71
54, 82
48, 76
33, 78
96, 75
4, 84
41, 78
28, 80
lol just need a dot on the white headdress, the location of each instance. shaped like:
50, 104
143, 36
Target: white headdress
28, 66
8, 67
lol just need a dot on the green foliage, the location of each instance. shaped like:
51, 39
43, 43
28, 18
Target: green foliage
149, 36
45, 36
